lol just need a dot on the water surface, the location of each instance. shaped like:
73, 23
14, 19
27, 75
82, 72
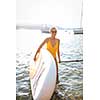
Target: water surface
70, 73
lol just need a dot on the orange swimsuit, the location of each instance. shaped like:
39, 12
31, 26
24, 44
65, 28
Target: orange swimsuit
51, 49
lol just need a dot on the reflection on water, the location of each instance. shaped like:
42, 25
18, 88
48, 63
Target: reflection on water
70, 73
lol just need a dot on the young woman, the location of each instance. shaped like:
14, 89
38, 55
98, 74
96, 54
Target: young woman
52, 46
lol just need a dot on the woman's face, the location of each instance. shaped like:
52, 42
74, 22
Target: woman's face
53, 32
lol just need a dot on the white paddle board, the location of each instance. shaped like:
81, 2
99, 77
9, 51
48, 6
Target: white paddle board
43, 80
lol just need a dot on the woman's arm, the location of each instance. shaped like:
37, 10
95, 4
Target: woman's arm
38, 50
58, 51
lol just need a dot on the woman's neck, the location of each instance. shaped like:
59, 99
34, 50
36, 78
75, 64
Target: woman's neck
52, 37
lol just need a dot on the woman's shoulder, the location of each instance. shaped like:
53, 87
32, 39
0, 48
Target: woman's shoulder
47, 39
58, 39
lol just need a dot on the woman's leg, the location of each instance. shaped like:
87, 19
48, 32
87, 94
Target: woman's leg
57, 71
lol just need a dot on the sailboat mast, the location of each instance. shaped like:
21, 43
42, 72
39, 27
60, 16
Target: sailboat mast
81, 15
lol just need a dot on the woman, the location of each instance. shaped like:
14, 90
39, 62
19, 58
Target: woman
52, 46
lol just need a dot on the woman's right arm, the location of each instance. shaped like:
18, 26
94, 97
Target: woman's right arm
38, 50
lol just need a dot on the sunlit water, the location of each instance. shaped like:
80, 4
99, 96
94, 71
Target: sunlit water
70, 73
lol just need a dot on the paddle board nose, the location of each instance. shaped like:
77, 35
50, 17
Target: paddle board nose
43, 78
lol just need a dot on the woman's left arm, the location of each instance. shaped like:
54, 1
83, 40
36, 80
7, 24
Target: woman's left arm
58, 51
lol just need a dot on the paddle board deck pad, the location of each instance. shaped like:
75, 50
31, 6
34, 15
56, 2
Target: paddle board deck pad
43, 81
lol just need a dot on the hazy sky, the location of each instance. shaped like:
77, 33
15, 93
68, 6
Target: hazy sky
66, 13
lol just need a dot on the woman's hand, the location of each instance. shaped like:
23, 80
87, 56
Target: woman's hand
34, 58
59, 61
36, 55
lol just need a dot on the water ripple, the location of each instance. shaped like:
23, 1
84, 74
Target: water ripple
70, 73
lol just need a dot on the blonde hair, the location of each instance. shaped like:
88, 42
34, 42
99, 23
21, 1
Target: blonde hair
52, 29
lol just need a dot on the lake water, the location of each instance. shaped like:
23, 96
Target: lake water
70, 73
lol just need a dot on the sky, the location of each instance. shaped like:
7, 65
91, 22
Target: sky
65, 13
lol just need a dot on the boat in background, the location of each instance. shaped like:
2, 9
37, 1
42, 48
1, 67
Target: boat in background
78, 30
